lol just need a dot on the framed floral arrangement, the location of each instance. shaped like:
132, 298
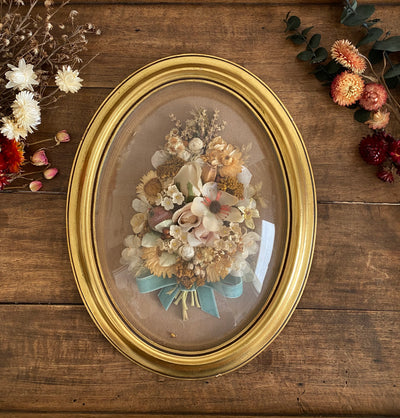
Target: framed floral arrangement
191, 216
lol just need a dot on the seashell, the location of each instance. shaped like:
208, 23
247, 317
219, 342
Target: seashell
162, 225
157, 215
159, 158
185, 218
208, 173
244, 176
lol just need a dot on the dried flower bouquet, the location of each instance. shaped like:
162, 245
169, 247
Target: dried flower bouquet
364, 82
36, 53
193, 230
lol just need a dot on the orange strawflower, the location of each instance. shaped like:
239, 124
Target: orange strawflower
346, 54
347, 88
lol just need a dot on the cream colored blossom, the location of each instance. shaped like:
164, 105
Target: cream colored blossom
67, 80
26, 111
11, 130
215, 206
22, 77
131, 255
249, 212
167, 203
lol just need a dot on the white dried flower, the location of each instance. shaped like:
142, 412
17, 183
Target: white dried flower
73, 14
167, 203
196, 144
11, 130
26, 111
22, 77
67, 80
186, 252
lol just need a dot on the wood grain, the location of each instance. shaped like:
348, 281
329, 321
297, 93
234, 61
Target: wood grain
136, 34
53, 358
339, 172
338, 355
355, 261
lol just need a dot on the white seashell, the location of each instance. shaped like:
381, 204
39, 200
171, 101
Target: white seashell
167, 260
140, 206
160, 157
244, 176
164, 224
150, 239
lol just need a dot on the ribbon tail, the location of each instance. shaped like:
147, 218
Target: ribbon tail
230, 287
167, 295
207, 300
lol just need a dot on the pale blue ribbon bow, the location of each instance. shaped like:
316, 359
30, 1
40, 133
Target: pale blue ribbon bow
230, 287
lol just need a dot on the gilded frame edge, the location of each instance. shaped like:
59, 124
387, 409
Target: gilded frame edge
303, 223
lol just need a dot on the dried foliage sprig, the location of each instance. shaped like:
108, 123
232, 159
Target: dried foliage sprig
38, 50
356, 82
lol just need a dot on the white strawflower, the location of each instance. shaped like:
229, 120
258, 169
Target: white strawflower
67, 80
22, 77
26, 111
11, 130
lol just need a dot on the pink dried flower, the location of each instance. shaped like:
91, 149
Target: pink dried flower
62, 136
35, 185
39, 158
374, 97
50, 173
379, 120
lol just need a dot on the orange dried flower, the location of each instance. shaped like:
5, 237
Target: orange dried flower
346, 54
347, 88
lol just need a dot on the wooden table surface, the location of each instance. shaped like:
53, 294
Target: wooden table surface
339, 355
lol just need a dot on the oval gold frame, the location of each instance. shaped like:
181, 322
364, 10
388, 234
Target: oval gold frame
301, 199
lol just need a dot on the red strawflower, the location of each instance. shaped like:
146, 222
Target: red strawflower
394, 151
3, 181
385, 174
373, 149
11, 155
374, 97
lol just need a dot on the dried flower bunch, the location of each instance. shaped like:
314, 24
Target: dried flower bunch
36, 53
355, 83
194, 222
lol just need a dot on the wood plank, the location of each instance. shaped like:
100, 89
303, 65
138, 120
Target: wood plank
355, 263
35, 267
323, 363
177, 2
250, 35
336, 163
12, 414
356, 260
